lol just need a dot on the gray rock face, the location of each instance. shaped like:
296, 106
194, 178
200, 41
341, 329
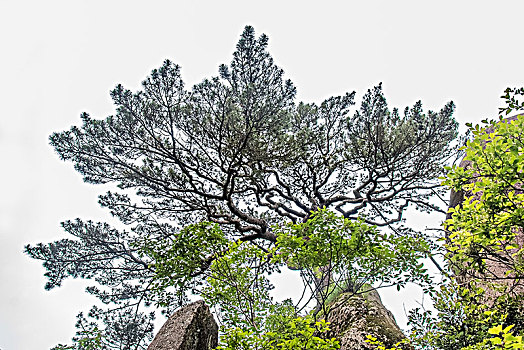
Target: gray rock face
354, 317
189, 328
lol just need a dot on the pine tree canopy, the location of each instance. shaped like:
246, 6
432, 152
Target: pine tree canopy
232, 158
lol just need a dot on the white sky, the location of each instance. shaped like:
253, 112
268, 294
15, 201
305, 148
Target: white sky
60, 58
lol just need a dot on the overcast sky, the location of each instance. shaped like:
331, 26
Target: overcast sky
60, 58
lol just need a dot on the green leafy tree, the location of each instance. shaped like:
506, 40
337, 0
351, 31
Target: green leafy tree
462, 317
484, 244
481, 304
484, 229
334, 255
220, 171
291, 334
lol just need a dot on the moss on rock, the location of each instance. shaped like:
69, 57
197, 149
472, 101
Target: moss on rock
353, 317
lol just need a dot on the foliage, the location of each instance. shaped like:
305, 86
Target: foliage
511, 99
380, 345
463, 321
88, 340
292, 333
482, 251
478, 307
502, 338
124, 330
333, 255
484, 227
238, 287
201, 170
462, 318
177, 257
338, 255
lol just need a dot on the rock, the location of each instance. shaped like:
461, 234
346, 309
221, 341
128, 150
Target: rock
189, 328
353, 317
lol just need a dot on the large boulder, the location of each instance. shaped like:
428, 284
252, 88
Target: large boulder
189, 328
353, 317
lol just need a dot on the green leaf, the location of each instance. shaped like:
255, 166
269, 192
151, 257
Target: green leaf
495, 330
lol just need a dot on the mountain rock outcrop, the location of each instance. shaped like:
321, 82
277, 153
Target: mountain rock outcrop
189, 328
354, 317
